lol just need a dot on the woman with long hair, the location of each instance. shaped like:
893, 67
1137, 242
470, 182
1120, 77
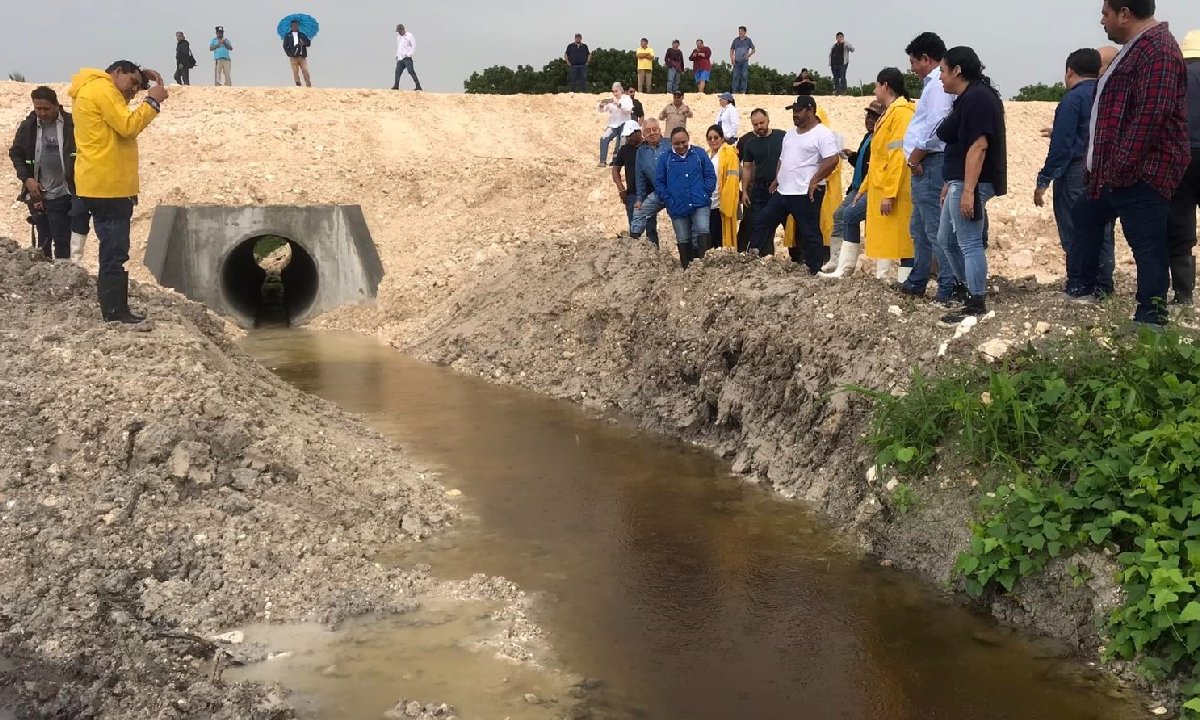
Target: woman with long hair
888, 187
727, 117
723, 220
976, 170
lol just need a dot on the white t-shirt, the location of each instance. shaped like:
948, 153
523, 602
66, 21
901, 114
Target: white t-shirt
801, 158
619, 112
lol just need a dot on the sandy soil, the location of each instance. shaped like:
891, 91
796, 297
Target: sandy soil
157, 486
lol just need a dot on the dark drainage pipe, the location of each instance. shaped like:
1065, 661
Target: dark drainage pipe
242, 282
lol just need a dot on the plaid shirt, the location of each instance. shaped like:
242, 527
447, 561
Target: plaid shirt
1141, 125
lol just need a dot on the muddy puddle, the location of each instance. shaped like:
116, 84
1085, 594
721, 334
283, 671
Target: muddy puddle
687, 592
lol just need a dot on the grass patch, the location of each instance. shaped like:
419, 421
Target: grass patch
1089, 444
266, 245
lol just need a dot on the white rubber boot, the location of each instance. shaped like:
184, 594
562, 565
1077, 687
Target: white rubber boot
77, 243
902, 274
835, 253
847, 261
882, 268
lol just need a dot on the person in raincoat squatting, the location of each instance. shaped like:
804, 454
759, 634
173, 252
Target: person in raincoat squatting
888, 186
106, 166
723, 221
834, 195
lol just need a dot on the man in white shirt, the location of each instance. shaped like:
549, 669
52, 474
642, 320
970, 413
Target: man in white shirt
810, 153
620, 110
924, 151
406, 45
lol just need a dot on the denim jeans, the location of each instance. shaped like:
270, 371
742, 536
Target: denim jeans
646, 219
1068, 189
112, 218
690, 227
578, 80
839, 78
1143, 214
741, 77
672, 80
810, 244
401, 66
611, 135
926, 218
630, 201
53, 224
849, 217
1182, 226
961, 239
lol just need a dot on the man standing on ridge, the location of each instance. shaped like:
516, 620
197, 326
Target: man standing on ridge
839, 63
1138, 152
106, 167
701, 59
406, 47
676, 113
184, 60
740, 51
222, 61
577, 56
760, 162
295, 46
645, 66
674, 62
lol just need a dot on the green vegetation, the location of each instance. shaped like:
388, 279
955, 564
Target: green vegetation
17, 77
266, 245
609, 66
1089, 445
1041, 92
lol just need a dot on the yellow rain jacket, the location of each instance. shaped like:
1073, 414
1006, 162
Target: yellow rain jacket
834, 195
729, 192
888, 236
106, 163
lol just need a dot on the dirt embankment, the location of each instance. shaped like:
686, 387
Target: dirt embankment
158, 486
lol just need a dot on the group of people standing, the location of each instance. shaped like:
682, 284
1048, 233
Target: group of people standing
925, 172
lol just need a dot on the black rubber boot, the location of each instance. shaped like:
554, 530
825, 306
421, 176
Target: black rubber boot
701, 245
976, 305
685, 255
1183, 279
113, 293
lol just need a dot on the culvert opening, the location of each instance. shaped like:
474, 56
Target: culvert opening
269, 278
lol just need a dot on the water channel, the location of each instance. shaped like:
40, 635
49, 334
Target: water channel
689, 593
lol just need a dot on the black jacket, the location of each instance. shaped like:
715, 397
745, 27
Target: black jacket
24, 150
183, 54
291, 49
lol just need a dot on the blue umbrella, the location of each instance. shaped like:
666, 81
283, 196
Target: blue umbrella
308, 25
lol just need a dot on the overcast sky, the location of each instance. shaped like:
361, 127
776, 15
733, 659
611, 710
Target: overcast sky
1021, 41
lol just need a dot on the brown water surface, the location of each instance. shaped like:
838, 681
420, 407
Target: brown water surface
689, 593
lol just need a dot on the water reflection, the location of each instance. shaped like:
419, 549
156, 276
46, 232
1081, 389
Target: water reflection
693, 595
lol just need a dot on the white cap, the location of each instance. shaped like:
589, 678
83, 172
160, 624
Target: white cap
630, 127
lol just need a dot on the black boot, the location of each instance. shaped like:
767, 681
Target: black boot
1183, 279
113, 294
976, 305
701, 245
685, 255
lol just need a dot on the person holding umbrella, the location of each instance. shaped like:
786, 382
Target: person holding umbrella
295, 45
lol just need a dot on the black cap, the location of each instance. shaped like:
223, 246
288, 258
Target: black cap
220, 29
678, 93
803, 102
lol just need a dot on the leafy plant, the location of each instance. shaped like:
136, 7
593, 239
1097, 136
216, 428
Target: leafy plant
1091, 445
905, 498
1041, 92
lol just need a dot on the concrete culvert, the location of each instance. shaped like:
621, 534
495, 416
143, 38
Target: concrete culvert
321, 255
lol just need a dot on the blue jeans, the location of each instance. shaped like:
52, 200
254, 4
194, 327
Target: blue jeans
630, 201
809, 243
401, 66
926, 218
1068, 189
112, 218
690, 227
849, 217
741, 77
610, 135
1143, 213
672, 80
961, 239
53, 224
578, 78
839, 78
646, 219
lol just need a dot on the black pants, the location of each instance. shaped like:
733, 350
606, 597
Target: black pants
760, 195
578, 78
183, 74
112, 218
53, 225
1181, 230
809, 247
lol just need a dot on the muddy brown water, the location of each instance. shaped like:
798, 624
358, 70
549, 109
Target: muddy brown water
689, 593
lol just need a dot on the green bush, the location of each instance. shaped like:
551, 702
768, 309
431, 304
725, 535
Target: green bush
1041, 92
1090, 445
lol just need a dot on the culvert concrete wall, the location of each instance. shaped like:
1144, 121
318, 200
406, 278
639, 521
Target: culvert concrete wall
206, 253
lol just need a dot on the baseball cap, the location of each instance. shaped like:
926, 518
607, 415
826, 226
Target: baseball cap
220, 28
725, 96
630, 127
678, 93
803, 102
876, 108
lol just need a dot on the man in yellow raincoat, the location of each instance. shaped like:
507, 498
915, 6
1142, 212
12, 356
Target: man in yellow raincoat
888, 186
106, 167
834, 195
